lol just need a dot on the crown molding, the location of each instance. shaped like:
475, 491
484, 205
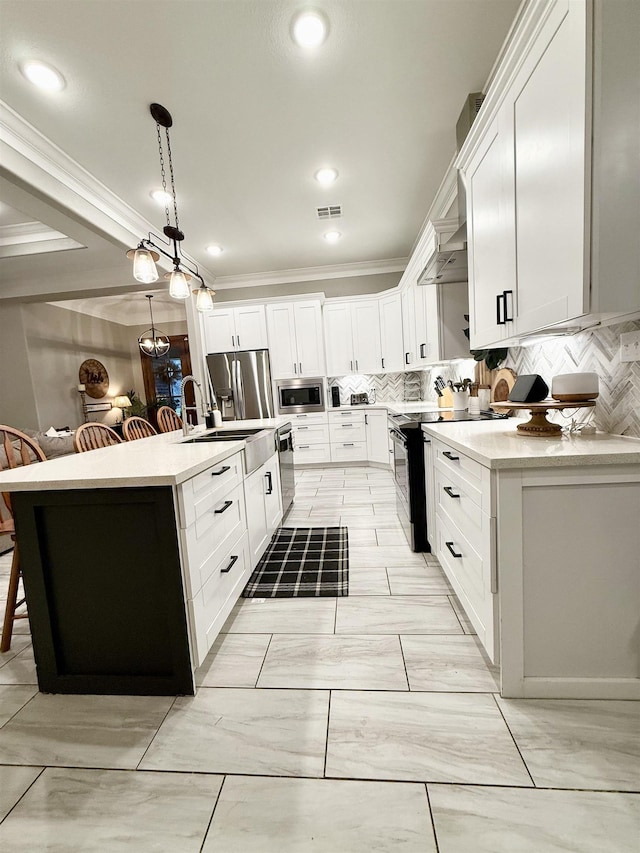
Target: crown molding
263, 279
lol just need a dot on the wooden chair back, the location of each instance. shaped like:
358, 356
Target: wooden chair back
168, 421
91, 436
18, 449
135, 427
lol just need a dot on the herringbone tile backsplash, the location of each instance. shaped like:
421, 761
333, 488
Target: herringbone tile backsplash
596, 351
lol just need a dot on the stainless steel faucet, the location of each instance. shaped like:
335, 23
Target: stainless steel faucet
183, 405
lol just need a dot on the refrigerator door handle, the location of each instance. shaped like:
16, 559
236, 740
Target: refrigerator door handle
240, 402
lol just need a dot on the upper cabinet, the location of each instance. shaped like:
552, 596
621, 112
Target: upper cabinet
295, 339
550, 167
352, 337
440, 322
391, 340
233, 329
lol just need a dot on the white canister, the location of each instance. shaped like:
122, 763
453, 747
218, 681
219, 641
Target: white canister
460, 400
217, 418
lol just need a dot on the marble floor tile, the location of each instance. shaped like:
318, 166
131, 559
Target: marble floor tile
227, 730
282, 616
19, 642
14, 781
467, 627
368, 582
453, 663
334, 662
392, 555
322, 815
417, 580
391, 537
437, 737
12, 698
577, 743
87, 731
370, 522
385, 508
21, 669
354, 494
396, 615
516, 820
234, 661
92, 811
361, 537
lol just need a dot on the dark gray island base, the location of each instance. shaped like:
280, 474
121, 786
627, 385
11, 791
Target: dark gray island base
102, 575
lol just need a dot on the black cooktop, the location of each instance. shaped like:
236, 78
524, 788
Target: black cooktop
412, 420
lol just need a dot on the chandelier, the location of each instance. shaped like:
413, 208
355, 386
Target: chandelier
148, 251
153, 342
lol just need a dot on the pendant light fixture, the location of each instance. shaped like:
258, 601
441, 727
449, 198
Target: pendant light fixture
145, 255
153, 342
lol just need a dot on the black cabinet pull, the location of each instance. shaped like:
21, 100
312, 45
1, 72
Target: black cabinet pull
229, 567
223, 470
226, 506
347, 425
423, 348
301, 428
406, 357
269, 482
500, 321
450, 547
450, 492
383, 363
348, 445
450, 456
304, 446
505, 293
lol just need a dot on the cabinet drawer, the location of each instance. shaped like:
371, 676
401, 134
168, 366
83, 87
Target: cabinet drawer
465, 471
351, 451
311, 434
215, 481
209, 608
223, 522
470, 574
311, 453
353, 416
347, 431
310, 418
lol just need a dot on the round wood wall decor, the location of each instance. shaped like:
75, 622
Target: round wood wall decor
93, 375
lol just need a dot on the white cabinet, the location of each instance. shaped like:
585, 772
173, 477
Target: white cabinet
295, 339
310, 439
348, 436
409, 328
235, 328
264, 506
391, 341
440, 322
543, 190
352, 335
377, 433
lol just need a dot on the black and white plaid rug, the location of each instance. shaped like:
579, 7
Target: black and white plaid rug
302, 561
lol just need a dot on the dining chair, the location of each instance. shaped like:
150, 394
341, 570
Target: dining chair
18, 449
135, 427
168, 421
91, 436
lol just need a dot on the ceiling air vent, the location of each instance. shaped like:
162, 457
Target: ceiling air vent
331, 211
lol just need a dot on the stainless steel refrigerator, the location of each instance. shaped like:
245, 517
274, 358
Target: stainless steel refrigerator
242, 384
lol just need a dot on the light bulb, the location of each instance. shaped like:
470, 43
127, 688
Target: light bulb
332, 236
310, 29
178, 285
204, 299
144, 267
214, 250
161, 197
326, 176
43, 76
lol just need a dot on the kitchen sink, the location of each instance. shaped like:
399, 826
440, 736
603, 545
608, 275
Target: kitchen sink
260, 443
223, 435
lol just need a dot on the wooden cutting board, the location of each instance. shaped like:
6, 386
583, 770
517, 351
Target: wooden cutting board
503, 382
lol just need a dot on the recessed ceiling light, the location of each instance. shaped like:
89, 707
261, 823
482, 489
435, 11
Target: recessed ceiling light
43, 76
332, 236
214, 249
161, 196
326, 176
310, 29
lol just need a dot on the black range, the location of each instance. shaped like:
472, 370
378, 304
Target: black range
408, 467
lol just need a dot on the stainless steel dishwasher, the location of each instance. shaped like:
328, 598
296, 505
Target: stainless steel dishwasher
284, 443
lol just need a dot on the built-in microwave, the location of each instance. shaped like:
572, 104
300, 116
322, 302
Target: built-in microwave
300, 395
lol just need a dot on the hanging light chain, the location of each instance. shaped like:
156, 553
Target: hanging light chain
164, 176
173, 185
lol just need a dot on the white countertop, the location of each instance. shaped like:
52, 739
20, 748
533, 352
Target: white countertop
391, 406
161, 460
498, 445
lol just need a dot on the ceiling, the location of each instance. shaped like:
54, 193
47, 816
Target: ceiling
254, 117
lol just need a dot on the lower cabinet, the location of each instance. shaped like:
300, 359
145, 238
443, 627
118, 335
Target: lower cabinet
347, 436
377, 432
264, 506
342, 435
311, 438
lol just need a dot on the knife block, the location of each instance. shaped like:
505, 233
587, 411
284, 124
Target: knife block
446, 401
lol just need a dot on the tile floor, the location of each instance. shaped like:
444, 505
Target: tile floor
365, 723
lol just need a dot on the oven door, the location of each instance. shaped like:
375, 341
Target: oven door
400, 465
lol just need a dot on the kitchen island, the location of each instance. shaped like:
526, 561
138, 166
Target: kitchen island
132, 558
540, 540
